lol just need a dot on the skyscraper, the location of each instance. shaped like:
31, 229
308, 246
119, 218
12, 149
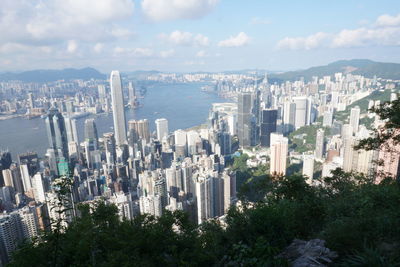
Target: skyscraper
162, 128
289, 116
56, 132
139, 129
132, 95
102, 93
279, 150
91, 134
308, 166
319, 145
268, 125
244, 119
303, 111
355, 118
117, 99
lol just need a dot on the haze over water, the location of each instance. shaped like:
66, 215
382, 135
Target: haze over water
183, 105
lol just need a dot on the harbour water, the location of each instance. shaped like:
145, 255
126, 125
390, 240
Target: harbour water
183, 105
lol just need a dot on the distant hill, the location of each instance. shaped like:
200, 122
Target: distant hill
53, 75
365, 67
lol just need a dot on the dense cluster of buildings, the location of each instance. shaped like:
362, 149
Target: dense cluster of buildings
139, 172
147, 173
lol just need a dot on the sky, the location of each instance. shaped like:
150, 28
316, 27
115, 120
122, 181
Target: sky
195, 35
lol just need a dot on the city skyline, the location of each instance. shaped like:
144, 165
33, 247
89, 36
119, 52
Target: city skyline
157, 34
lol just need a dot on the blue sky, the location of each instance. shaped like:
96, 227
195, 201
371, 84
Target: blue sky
195, 35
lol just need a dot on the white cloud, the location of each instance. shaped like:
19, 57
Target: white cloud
167, 53
201, 40
162, 10
387, 20
303, 43
235, 41
186, 38
384, 32
259, 21
72, 46
51, 21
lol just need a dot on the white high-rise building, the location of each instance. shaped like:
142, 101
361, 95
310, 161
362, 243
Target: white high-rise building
279, 150
348, 151
180, 137
193, 138
38, 188
303, 111
102, 93
319, 145
308, 166
117, 99
204, 198
26, 179
162, 128
355, 118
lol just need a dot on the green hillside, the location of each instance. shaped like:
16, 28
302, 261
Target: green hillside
365, 67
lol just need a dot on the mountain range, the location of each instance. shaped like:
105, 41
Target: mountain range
42, 76
365, 67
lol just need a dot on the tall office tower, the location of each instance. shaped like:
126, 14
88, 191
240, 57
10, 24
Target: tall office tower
257, 108
244, 119
180, 137
268, 125
109, 145
355, 118
17, 181
303, 111
162, 128
328, 118
31, 103
8, 178
225, 143
102, 93
91, 134
56, 132
72, 133
308, 167
25, 177
117, 99
140, 129
320, 145
193, 139
289, 117
132, 95
279, 150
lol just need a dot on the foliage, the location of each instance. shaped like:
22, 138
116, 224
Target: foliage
308, 142
388, 135
349, 212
